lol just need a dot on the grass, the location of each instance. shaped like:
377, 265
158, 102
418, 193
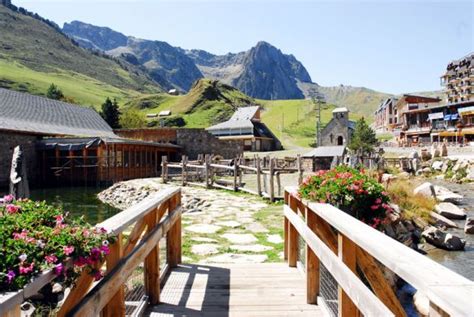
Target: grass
413, 206
83, 89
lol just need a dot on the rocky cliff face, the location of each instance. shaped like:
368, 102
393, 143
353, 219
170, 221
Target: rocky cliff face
261, 72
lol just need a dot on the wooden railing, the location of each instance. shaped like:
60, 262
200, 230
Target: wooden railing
150, 221
354, 252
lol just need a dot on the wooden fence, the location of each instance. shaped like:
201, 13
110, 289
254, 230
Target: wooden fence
227, 174
355, 255
151, 220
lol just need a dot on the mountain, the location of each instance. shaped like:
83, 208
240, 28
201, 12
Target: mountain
208, 102
168, 65
262, 72
34, 54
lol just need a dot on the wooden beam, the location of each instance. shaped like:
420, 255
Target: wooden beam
312, 263
152, 264
292, 235
116, 306
259, 177
173, 246
347, 253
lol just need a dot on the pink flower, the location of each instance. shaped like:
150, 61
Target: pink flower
98, 275
374, 207
51, 258
22, 235
378, 201
59, 219
8, 198
95, 254
11, 209
26, 269
58, 269
105, 249
81, 261
68, 249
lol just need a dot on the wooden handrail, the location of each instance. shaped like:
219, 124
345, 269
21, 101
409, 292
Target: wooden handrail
367, 302
447, 291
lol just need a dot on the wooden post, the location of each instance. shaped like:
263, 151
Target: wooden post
300, 168
347, 253
312, 262
206, 170
240, 172
292, 234
184, 175
164, 168
152, 264
259, 171
285, 228
272, 180
278, 183
116, 306
236, 171
173, 238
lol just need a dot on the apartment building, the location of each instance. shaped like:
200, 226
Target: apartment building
458, 80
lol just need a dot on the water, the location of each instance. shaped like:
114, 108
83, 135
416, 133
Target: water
461, 262
79, 201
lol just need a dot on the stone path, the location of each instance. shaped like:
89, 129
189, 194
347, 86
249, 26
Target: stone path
218, 226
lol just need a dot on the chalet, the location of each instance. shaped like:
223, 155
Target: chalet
339, 130
246, 127
324, 157
65, 143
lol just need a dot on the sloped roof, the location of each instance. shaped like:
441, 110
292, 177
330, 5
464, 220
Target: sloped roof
232, 124
28, 113
74, 144
340, 109
326, 151
244, 113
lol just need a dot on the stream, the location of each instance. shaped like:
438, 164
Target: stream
462, 262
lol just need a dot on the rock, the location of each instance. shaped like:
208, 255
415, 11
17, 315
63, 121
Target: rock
404, 175
437, 165
426, 170
413, 155
236, 258
450, 211
443, 221
445, 167
388, 177
443, 240
203, 228
425, 155
201, 239
256, 227
435, 152
204, 249
57, 288
425, 189
469, 226
240, 238
230, 224
444, 150
445, 195
421, 303
470, 173
274, 238
251, 248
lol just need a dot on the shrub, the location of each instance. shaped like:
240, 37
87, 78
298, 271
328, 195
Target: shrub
36, 237
351, 190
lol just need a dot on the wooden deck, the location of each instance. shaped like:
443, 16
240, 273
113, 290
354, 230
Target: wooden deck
268, 289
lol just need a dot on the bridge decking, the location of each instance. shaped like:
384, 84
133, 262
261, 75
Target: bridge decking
268, 289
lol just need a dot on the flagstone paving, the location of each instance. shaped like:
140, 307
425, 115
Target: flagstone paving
218, 226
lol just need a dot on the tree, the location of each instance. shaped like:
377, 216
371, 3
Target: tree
363, 140
54, 93
132, 119
110, 113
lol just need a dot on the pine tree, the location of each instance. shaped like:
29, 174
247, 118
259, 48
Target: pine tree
110, 113
54, 93
363, 140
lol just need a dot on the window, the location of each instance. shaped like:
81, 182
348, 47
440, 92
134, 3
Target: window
331, 137
340, 140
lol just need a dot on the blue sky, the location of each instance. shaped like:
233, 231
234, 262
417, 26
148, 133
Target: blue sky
390, 46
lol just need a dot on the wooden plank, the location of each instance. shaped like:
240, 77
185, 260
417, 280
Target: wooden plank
116, 306
103, 291
272, 181
259, 176
152, 264
124, 219
286, 198
454, 297
135, 235
367, 302
292, 235
347, 253
173, 238
226, 167
312, 263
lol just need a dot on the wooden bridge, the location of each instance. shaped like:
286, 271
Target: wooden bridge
335, 265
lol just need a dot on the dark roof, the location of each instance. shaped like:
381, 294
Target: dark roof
327, 151
38, 115
351, 125
74, 144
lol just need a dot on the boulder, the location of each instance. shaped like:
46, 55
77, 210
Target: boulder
444, 150
425, 189
443, 221
435, 151
413, 155
469, 226
445, 167
404, 175
426, 170
445, 195
450, 211
425, 155
437, 165
470, 173
443, 240
388, 177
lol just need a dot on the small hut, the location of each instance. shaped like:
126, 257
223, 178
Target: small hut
324, 157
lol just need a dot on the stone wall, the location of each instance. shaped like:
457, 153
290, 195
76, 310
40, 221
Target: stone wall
334, 130
8, 142
192, 141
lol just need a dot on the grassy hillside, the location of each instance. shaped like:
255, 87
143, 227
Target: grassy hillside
33, 55
208, 102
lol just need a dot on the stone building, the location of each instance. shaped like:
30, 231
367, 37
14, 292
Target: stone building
339, 130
